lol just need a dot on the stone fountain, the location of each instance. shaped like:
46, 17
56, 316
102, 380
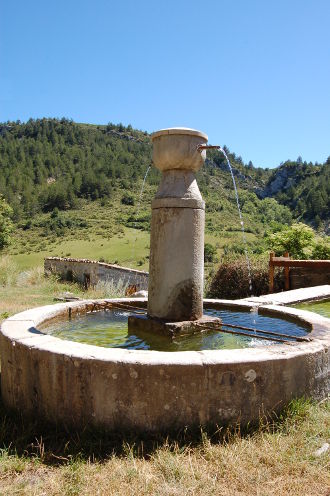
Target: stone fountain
175, 298
146, 390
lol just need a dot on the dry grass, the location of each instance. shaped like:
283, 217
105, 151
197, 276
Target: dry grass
273, 460
31, 277
107, 289
8, 271
20, 290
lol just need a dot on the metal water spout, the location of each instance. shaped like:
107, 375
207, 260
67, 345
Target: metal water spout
200, 148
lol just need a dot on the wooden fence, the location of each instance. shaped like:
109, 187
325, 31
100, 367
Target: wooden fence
286, 262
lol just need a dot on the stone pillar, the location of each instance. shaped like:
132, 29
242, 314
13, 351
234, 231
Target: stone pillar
177, 228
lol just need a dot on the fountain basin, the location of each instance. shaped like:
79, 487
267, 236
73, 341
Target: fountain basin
176, 148
79, 384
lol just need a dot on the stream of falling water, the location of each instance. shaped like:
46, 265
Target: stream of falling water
238, 208
138, 207
240, 218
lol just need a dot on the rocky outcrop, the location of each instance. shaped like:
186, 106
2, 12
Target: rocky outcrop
283, 178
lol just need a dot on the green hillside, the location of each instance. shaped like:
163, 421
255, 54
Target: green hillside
305, 188
74, 187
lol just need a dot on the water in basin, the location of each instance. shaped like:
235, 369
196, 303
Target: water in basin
321, 307
109, 328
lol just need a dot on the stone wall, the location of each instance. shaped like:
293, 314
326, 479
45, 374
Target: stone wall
305, 277
90, 272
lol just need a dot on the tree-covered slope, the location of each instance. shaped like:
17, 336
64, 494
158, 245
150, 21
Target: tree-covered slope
56, 163
304, 187
50, 163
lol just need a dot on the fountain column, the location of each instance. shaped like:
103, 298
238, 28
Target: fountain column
176, 265
177, 228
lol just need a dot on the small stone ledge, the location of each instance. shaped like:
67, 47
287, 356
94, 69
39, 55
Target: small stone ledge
319, 325
244, 305
291, 297
146, 324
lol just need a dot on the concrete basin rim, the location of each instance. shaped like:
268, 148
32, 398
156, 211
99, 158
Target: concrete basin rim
35, 317
183, 131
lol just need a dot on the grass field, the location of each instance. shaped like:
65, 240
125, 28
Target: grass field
113, 232
120, 249
129, 249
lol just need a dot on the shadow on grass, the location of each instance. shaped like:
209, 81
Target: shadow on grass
57, 444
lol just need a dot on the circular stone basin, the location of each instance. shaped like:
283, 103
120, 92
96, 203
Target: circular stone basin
109, 328
142, 390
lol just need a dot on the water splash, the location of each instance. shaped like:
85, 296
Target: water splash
240, 218
139, 206
141, 192
254, 312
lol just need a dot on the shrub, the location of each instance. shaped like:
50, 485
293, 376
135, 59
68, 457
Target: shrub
209, 253
31, 277
321, 250
127, 199
235, 248
27, 225
232, 279
6, 224
297, 239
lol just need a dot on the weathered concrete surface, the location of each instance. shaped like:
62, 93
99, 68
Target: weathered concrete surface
176, 265
176, 148
146, 324
179, 184
290, 297
90, 272
148, 390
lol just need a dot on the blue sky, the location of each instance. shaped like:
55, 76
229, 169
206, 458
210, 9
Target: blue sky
253, 74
